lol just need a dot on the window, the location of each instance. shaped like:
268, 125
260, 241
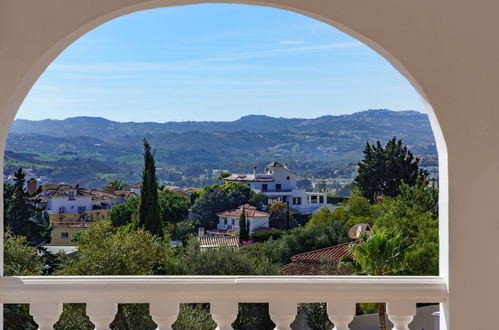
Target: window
62, 210
278, 187
287, 178
296, 200
233, 222
321, 199
313, 199
64, 235
71, 194
225, 221
265, 187
81, 209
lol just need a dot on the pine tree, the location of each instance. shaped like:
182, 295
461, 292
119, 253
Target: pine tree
22, 216
243, 227
149, 211
383, 169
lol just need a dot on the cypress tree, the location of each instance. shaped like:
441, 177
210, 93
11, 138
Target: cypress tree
149, 212
243, 227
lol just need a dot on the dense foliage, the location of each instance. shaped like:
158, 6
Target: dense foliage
22, 216
383, 169
404, 241
224, 197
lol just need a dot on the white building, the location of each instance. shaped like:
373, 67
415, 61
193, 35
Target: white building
228, 221
278, 183
64, 198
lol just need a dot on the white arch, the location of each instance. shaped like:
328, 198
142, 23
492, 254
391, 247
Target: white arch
343, 21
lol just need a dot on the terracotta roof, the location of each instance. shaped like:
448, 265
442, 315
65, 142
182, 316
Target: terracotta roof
61, 190
249, 210
217, 241
100, 194
310, 263
274, 164
137, 185
125, 194
329, 254
301, 268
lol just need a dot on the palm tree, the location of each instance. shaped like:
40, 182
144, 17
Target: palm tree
382, 253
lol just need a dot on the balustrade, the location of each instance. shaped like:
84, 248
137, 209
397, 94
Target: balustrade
164, 294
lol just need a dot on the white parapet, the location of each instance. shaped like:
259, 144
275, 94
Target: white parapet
164, 293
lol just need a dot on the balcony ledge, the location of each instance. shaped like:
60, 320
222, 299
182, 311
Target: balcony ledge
244, 289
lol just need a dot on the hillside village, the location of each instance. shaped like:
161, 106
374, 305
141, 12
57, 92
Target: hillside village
258, 222
72, 208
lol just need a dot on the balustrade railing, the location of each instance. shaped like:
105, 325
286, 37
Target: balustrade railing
102, 294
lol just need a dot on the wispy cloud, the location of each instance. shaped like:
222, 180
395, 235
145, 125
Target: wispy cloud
291, 42
199, 64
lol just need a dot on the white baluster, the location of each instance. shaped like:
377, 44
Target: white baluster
164, 314
45, 314
282, 313
101, 314
224, 313
341, 313
401, 313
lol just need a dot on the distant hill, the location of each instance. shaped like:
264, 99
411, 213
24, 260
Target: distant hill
371, 120
188, 152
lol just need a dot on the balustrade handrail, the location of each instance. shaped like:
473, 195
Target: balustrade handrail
102, 294
23, 289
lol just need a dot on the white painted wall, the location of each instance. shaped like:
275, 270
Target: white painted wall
255, 223
71, 206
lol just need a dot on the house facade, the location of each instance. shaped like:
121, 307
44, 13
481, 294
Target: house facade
72, 208
279, 184
228, 221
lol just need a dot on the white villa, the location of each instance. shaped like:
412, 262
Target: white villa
64, 198
228, 221
278, 183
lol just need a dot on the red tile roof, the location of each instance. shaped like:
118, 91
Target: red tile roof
217, 241
249, 210
329, 254
310, 263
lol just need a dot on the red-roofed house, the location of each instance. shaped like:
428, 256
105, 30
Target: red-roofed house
310, 263
228, 221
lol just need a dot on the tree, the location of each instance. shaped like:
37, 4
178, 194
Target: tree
382, 253
123, 214
22, 216
304, 239
149, 211
281, 217
243, 227
382, 169
223, 175
414, 214
116, 185
20, 260
214, 200
105, 250
224, 197
173, 208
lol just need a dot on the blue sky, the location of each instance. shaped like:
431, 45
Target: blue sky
216, 62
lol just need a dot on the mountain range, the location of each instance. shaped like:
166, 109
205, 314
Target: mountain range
91, 150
